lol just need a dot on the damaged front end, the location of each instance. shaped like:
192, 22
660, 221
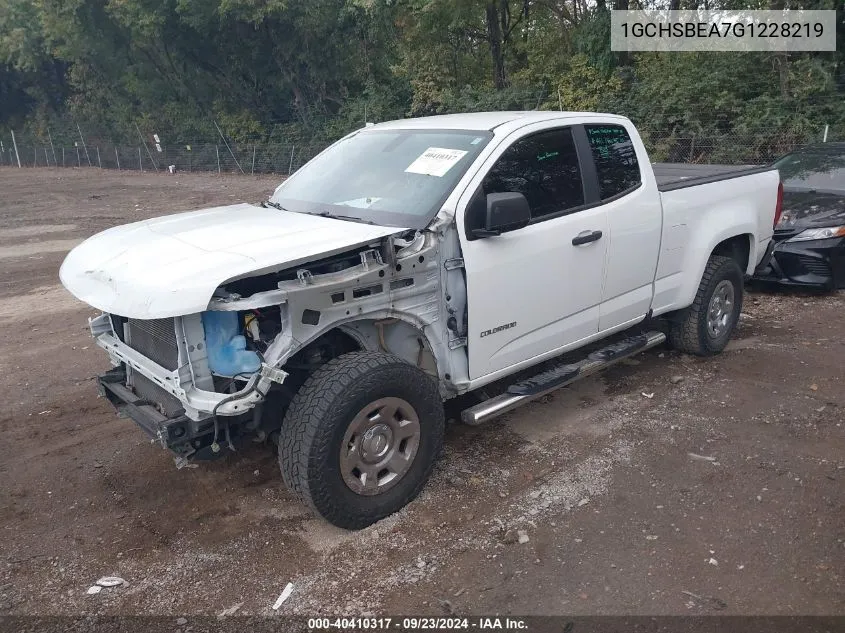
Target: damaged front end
200, 383
174, 378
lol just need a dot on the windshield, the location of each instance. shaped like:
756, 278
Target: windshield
816, 169
392, 177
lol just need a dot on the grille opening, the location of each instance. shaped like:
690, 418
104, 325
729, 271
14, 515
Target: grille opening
815, 266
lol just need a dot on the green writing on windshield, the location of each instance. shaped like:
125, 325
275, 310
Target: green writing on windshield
547, 155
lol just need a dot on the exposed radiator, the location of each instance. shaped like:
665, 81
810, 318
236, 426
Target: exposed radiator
147, 389
155, 339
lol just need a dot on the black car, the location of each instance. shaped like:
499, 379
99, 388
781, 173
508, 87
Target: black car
810, 236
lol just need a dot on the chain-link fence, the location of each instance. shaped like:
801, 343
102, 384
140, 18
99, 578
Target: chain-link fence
275, 158
729, 148
280, 158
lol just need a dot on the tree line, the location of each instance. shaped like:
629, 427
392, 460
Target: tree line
311, 70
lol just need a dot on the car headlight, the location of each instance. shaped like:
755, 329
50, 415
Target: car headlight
819, 234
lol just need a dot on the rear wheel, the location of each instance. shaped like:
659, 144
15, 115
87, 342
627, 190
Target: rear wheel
706, 326
361, 436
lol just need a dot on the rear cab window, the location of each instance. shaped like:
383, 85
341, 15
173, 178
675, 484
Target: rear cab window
615, 158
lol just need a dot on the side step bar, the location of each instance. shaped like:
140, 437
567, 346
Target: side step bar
557, 377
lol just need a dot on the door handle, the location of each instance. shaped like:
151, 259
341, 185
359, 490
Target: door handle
585, 237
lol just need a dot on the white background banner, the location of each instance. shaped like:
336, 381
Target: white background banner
787, 30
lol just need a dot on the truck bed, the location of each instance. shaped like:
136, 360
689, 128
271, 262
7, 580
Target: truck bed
679, 175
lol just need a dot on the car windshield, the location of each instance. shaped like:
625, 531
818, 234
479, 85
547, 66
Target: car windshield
389, 177
814, 169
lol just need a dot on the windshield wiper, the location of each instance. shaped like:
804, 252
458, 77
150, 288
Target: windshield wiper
322, 214
337, 216
275, 205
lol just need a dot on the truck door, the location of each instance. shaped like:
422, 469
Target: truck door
538, 288
634, 217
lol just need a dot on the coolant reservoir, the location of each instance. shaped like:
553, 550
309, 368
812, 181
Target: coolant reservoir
226, 346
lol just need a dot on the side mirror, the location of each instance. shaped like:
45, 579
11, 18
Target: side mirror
505, 212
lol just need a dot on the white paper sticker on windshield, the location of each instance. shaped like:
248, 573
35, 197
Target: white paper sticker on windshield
435, 161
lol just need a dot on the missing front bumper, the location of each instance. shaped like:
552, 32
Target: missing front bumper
197, 403
175, 432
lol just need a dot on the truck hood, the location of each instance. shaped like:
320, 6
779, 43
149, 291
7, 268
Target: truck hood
170, 266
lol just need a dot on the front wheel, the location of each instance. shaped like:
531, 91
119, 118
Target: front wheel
706, 326
360, 437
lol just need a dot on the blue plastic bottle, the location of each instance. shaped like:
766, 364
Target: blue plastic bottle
226, 346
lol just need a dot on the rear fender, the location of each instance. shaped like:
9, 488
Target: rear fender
701, 250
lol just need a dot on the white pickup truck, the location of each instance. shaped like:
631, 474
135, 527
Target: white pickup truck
408, 263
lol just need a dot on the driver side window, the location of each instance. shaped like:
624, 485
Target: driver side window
544, 168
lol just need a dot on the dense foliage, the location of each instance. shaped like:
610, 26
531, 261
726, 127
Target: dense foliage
309, 70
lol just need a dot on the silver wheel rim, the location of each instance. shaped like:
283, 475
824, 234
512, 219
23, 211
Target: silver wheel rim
379, 446
720, 310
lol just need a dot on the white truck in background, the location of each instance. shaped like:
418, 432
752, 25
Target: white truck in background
411, 262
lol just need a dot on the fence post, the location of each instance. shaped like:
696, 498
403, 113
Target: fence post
140, 166
217, 150
290, 165
227, 147
253, 160
35, 158
692, 148
87, 157
52, 147
63, 156
144, 141
15, 143
46, 157
78, 159
98, 157
117, 158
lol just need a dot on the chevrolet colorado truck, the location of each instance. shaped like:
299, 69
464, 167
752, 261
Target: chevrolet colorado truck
411, 262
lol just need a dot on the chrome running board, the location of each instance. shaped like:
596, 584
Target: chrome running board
561, 376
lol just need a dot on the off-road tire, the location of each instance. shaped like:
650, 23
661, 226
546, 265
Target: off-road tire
313, 431
688, 331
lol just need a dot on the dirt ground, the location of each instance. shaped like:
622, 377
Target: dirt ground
720, 493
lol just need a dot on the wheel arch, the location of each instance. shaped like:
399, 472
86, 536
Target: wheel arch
397, 335
738, 248
736, 242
